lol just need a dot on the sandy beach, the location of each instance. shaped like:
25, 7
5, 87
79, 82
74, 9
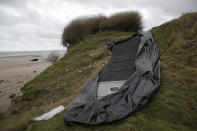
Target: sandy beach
15, 71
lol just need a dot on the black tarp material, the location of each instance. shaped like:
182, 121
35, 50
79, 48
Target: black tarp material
141, 80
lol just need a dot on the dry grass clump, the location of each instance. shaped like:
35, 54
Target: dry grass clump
53, 57
123, 21
83, 26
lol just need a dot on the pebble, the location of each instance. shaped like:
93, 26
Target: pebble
19, 82
12, 96
67, 70
1, 81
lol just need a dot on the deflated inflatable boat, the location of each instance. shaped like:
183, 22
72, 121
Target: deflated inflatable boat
123, 86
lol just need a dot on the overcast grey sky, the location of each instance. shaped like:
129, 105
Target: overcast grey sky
38, 24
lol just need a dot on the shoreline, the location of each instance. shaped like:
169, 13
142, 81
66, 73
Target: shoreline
25, 55
15, 71
8, 54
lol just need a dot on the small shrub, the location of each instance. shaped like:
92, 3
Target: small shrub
53, 57
123, 21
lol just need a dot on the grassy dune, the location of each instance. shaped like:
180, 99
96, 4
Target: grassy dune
173, 107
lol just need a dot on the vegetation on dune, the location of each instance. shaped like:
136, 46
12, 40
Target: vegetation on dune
53, 57
123, 21
81, 27
173, 107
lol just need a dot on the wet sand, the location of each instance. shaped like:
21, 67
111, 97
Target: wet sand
15, 72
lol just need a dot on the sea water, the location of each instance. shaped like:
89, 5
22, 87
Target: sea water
24, 53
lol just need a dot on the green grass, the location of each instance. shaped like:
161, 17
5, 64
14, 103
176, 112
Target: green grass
173, 107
